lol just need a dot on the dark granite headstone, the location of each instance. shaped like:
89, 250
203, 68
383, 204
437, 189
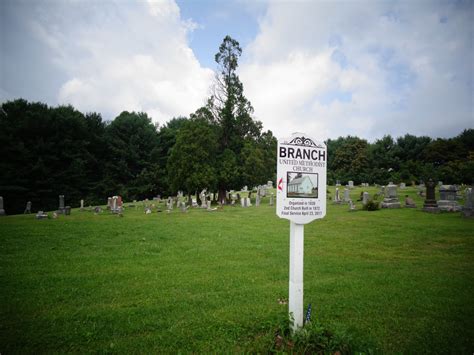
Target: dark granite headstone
430, 204
61, 208
2, 211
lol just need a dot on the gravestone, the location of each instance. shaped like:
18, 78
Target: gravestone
271, 200
337, 197
243, 202
115, 208
430, 204
41, 215
257, 200
402, 185
447, 201
169, 204
61, 208
346, 195
391, 199
270, 184
202, 196
352, 206
2, 211
365, 198
351, 184
67, 210
338, 183
208, 204
468, 209
409, 203
245, 188
97, 209
28, 208
421, 190
82, 205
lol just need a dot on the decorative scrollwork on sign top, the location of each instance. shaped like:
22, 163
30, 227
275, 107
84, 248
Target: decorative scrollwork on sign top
305, 141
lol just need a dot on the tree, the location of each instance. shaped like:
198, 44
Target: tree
47, 152
132, 142
230, 111
191, 165
166, 140
351, 160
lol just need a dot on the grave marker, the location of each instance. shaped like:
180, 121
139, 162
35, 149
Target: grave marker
430, 204
2, 211
28, 208
468, 209
447, 200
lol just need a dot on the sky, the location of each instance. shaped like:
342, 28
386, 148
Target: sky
324, 68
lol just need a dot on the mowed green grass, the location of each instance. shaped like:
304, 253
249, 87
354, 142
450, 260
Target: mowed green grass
397, 281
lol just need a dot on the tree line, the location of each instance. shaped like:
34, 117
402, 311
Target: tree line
50, 151
404, 159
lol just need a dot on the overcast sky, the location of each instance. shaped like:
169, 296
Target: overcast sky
325, 68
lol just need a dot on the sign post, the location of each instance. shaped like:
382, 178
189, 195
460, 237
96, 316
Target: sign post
301, 198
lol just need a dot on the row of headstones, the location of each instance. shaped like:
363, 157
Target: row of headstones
269, 185
207, 198
115, 203
447, 201
66, 210
350, 184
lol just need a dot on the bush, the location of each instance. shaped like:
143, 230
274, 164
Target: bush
371, 205
313, 338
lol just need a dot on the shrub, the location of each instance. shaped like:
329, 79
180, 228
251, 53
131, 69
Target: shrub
371, 205
313, 338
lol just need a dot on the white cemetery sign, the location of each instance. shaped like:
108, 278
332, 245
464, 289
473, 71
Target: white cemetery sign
301, 179
301, 198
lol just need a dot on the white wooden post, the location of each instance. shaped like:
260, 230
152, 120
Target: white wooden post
295, 302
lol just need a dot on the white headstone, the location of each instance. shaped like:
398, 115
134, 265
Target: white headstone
346, 195
365, 198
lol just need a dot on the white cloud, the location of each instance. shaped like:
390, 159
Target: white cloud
124, 56
362, 68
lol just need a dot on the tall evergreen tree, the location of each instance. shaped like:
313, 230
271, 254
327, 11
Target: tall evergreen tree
231, 112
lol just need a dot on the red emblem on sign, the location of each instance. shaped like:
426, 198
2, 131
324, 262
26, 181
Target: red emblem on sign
280, 184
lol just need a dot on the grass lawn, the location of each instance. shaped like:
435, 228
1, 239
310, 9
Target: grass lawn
394, 280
